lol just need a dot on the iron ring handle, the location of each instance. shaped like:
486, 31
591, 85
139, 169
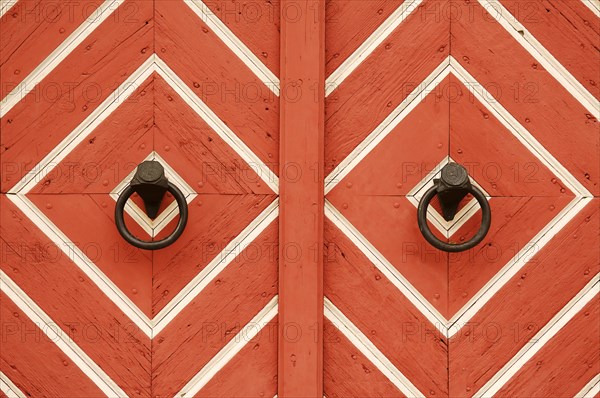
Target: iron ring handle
486, 220
128, 236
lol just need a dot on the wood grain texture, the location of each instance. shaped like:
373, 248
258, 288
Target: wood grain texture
81, 82
348, 373
74, 302
528, 92
518, 311
256, 24
251, 373
349, 24
384, 315
215, 316
566, 364
31, 30
568, 30
384, 80
219, 78
33, 361
300, 361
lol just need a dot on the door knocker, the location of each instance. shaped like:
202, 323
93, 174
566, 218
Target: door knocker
151, 184
452, 186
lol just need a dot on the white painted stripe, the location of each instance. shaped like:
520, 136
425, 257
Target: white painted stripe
590, 291
75, 254
369, 350
217, 125
369, 45
101, 113
230, 350
235, 44
6, 5
386, 127
386, 268
217, 264
525, 254
542, 55
593, 5
9, 388
591, 389
58, 55
517, 129
53, 331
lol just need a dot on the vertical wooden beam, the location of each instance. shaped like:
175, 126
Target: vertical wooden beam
300, 359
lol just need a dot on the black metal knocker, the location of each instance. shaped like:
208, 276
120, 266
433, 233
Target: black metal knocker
151, 184
452, 186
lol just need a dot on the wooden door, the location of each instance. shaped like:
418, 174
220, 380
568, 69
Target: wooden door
303, 134
509, 90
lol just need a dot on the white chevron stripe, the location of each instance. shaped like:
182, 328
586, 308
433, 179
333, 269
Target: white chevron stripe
66, 345
386, 268
234, 346
593, 5
218, 264
369, 350
590, 291
235, 44
9, 388
369, 45
58, 55
591, 389
6, 5
542, 55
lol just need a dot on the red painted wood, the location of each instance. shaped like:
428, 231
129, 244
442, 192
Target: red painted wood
383, 80
215, 316
568, 30
74, 302
109, 153
252, 372
256, 24
540, 103
349, 24
86, 70
219, 78
566, 363
32, 360
515, 314
31, 30
384, 315
348, 373
300, 361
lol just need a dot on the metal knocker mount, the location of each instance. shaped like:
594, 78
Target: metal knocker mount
452, 186
151, 184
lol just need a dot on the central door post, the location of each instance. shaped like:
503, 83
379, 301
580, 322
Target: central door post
300, 354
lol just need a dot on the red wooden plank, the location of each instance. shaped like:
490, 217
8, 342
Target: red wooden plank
568, 30
383, 314
348, 373
515, 314
528, 92
109, 153
349, 24
566, 363
251, 373
300, 371
216, 315
31, 30
383, 80
256, 24
85, 78
32, 360
219, 78
74, 302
